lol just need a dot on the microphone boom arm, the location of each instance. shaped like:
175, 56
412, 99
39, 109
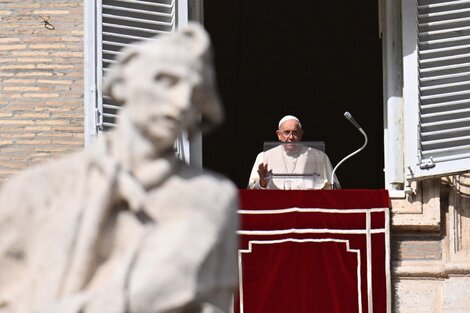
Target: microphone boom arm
349, 118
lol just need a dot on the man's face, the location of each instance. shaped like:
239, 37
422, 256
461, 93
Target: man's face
289, 131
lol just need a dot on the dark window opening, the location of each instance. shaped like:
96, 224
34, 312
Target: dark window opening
311, 59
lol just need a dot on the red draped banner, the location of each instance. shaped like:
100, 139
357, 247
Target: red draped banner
314, 251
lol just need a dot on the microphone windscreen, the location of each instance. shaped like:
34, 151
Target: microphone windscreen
349, 117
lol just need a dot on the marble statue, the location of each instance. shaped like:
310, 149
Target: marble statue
125, 226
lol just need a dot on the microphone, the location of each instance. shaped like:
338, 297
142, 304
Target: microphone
349, 117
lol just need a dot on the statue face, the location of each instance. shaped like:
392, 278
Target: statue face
158, 87
167, 85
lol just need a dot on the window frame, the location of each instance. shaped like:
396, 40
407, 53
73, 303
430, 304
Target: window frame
390, 28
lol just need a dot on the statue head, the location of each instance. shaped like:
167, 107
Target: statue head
167, 85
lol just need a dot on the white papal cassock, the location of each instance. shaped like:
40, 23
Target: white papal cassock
302, 168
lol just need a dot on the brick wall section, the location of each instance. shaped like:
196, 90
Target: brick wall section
41, 81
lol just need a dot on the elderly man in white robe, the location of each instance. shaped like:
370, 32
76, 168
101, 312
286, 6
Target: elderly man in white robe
291, 165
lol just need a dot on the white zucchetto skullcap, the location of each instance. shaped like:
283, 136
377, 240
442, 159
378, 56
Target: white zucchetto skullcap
286, 118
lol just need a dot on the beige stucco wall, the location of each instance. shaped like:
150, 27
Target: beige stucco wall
41, 81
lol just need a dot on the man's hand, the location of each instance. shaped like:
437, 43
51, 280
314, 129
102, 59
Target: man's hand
263, 175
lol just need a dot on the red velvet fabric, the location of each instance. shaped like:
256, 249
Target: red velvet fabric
313, 251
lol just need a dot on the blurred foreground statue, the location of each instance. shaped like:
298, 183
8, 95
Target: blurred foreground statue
125, 226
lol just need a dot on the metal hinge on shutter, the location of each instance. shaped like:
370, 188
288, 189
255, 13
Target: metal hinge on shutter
427, 163
99, 119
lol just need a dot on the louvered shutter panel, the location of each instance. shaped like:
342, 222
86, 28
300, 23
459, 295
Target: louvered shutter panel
124, 22
443, 50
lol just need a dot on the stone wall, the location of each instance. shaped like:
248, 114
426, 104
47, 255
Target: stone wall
41, 81
430, 250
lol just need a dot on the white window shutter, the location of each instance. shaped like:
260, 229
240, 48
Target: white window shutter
438, 117
123, 23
